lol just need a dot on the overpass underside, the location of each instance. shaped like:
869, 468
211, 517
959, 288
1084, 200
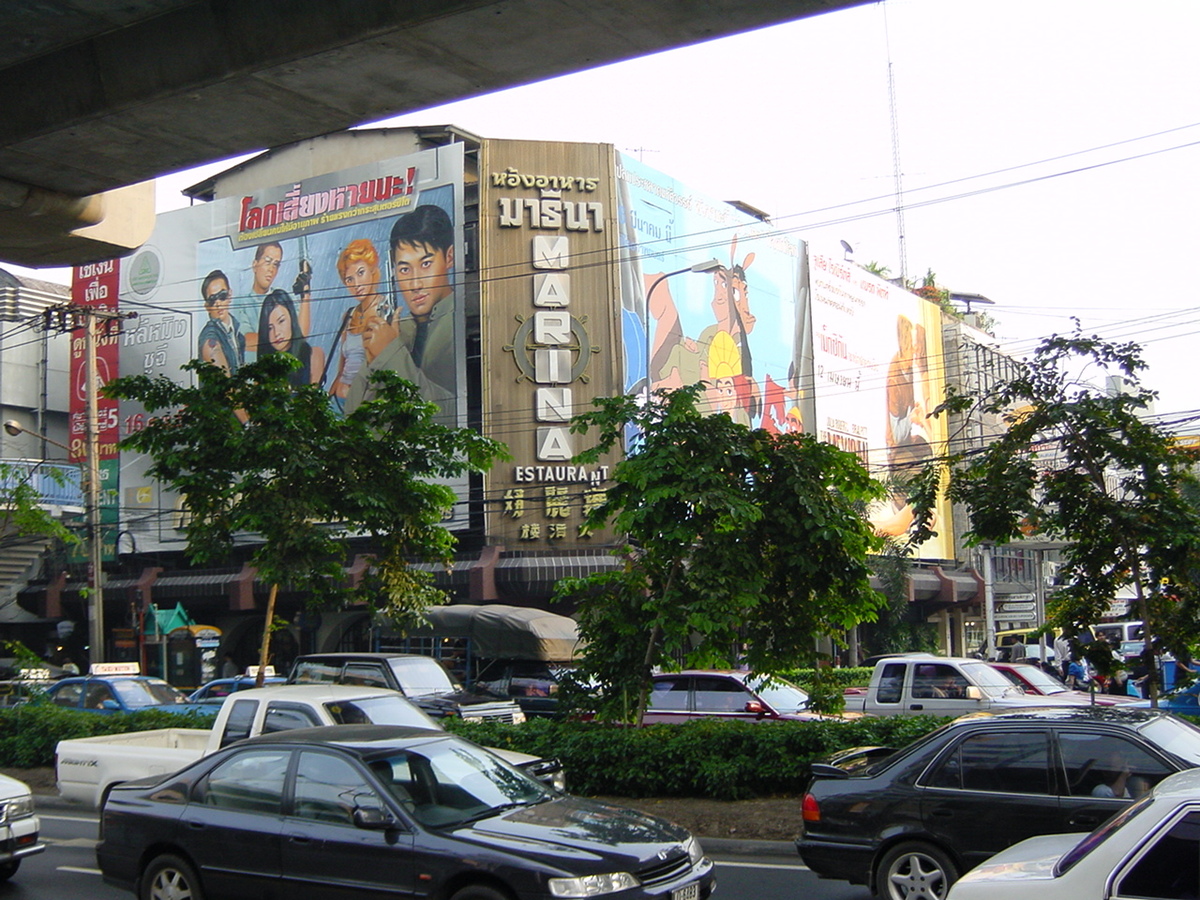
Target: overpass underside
107, 94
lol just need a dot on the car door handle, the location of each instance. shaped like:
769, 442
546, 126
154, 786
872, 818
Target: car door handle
916, 706
943, 813
196, 826
1088, 819
299, 839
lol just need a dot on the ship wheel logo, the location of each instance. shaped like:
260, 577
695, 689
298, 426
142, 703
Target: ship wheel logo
523, 346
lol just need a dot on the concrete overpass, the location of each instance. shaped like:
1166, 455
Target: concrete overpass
97, 97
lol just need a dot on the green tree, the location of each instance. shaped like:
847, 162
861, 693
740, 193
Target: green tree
1084, 467
742, 546
21, 512
301, 477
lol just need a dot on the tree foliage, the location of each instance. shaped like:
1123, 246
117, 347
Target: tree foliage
21, 512
1085, 468
742, 546
297, 477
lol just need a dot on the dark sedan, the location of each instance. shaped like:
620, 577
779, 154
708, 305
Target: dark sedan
371, 811
910, 825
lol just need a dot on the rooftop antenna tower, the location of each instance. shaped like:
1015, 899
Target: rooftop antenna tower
897, 172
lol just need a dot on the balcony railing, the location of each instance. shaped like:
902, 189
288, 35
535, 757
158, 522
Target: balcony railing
58, 484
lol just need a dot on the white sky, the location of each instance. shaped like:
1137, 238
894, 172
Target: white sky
795, 120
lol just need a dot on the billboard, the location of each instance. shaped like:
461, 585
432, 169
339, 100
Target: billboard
548, 303
787, 338
878, 373
94, 288
742, 327
350, 272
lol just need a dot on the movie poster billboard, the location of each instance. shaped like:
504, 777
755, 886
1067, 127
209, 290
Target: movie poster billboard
878, 373
742, 328
350, 272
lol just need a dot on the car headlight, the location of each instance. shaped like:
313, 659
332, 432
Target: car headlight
519, 717
694, 851
473, 720
17, 808
592, 885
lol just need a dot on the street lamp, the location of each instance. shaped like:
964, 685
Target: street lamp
95, 549
710, 265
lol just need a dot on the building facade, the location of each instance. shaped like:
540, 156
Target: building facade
514, 282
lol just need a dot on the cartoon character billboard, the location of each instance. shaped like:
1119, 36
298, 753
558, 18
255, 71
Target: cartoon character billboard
740, 327
350, 272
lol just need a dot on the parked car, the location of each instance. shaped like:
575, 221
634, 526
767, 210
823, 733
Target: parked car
86, 768
371, 810
104, 693
213, 693
1148, 850
948, 801
698, 694
1033, 679
421, 679
19, 826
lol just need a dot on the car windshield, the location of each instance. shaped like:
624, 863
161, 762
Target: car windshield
147, 692
781, 696
1039, 678
1174, 735
989, 680
381, 710
421, 675
1099, 836
449, 783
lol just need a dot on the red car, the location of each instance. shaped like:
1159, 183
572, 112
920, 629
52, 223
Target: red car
1035, 680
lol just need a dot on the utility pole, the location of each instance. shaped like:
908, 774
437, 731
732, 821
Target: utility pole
92, 320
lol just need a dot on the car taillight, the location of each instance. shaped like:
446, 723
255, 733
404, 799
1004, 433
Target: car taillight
810, 809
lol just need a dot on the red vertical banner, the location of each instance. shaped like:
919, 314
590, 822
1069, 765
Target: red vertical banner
95, 287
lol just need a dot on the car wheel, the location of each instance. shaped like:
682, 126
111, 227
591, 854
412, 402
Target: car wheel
9, 869
479, 892
915, 871
170, 878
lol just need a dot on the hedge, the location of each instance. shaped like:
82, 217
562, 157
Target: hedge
716, 759
30, 732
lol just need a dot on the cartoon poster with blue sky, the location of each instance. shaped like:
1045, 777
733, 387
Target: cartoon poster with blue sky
739, 327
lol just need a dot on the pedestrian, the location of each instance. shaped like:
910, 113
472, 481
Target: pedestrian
229, 668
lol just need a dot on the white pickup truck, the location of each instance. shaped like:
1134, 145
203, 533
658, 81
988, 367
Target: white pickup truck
86, 768
924, 684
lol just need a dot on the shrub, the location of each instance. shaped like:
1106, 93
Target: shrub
722, 760
30, 732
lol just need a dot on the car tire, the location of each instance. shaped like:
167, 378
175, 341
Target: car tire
9, 869
915, 871
479, 892
168, 877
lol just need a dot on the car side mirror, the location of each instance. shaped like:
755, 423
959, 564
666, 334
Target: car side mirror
974, 693
372, 818
110, 704
756, 707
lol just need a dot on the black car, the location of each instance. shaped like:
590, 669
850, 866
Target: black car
909, 825
371, 811
419, 678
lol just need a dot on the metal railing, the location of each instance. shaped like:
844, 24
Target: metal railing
58, 484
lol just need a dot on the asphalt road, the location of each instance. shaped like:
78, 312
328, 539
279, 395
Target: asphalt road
67, 870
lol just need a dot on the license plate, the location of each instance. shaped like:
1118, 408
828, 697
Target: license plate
690, 892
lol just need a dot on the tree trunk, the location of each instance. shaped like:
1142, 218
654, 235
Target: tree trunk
264, 650
644, 696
